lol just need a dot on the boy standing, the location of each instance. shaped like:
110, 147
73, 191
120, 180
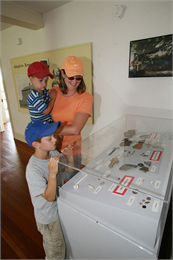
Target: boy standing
43, 175
40, 102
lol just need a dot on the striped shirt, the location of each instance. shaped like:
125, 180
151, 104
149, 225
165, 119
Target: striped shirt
37, 103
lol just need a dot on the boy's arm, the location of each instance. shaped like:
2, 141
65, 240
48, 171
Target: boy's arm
52, 95
50, 192
49, 108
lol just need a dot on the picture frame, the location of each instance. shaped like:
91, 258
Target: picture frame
45, 61
151, 57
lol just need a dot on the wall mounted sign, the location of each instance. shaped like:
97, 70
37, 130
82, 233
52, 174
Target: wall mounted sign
53, 59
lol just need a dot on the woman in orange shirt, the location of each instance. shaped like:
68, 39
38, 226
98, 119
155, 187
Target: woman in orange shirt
73, 105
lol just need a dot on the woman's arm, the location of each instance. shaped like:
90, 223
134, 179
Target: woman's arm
67, 150
75, 128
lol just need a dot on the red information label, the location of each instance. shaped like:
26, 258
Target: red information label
152, 136
127, 180
155, 156
120, 190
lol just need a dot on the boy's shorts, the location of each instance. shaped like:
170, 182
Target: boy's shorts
53, 240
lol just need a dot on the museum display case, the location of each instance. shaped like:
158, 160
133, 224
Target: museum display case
116, 205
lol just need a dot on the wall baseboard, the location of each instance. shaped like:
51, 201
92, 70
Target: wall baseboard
19, 137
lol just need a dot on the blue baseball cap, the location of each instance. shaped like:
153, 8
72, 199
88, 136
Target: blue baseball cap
39, 128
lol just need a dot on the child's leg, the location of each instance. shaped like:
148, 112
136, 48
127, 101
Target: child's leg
53, 240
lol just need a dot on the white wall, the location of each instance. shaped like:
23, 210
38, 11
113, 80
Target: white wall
92, 21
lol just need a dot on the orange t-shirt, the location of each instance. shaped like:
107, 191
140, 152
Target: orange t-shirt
65, 108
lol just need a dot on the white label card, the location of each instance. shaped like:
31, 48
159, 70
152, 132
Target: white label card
97, 190
147, 153
98, 167
139, 181
153, 168
107, 174
157, 184
99, 161
131, 200
120, 154
107, 163
155, 206
113, 186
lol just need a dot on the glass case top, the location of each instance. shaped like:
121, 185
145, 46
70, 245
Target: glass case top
133, 152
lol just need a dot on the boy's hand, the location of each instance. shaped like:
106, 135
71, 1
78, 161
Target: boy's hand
53, 165
50, 192
52, 94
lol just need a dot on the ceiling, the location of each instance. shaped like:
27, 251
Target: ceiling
36, 6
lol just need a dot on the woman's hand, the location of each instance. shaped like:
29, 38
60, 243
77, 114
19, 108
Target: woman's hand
67, 150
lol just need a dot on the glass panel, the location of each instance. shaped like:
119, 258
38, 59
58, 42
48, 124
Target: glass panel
133, 152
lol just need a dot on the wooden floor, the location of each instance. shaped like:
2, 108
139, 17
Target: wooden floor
19, 236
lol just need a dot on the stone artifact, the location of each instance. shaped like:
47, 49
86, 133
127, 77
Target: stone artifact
148, 163
128, 153
113, 161
142, 141
90, 186
144, 136
144, 169
140, 164
138, 146
126, 142
126, 167
130, 133
143, 154
113, 150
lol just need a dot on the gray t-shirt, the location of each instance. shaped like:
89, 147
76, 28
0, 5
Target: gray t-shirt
37, 174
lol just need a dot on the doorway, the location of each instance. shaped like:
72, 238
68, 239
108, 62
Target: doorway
4, 113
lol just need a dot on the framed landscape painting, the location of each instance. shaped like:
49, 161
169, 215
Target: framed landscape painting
151, 57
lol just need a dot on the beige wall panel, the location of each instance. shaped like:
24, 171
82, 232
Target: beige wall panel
55, 57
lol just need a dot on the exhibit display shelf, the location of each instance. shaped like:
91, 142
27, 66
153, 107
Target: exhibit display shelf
120, 196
